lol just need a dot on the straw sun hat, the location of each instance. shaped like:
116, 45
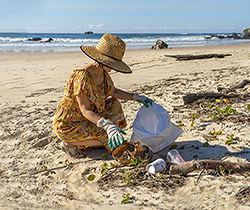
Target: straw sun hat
109, 51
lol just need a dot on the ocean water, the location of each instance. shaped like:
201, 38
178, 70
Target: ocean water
18, 42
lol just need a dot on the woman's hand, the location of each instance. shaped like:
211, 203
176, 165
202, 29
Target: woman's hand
142, 99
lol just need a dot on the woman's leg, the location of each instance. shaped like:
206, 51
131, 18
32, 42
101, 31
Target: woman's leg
90, 143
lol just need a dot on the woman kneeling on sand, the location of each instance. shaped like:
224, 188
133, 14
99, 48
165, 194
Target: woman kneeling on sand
89, 113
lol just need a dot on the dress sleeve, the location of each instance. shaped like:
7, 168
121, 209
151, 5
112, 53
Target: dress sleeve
82, 84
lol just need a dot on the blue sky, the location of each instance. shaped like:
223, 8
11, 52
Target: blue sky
129, 16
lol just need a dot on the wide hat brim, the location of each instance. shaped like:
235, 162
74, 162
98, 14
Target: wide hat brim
95, 54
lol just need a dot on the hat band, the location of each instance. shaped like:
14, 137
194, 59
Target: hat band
111, 57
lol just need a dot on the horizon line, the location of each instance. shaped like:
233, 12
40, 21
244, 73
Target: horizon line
116, 32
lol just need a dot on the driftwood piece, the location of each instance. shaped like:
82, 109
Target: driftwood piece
190, 166
241, 85
193, 57
210, 138
189, 98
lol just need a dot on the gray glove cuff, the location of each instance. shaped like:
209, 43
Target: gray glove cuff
100, 123
135, 96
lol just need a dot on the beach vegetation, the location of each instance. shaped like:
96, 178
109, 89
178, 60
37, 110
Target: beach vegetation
104, 168
91, 177
230, 140
222, 169
215, 133
206, 144
248, 106
193, 119
180, 125
219, 112
174, 146
127, 199
137, 162
67, 162
105, 156
113, 164
209, 105
128, 177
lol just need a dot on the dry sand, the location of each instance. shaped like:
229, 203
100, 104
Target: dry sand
32, 86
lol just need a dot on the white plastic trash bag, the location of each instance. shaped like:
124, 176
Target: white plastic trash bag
152, 127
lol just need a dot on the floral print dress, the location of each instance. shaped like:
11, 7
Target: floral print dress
70, 125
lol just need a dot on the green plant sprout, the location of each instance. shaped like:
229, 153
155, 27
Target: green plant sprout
128, 177
105, 156
172, 146
231, 140
126, 199
209, 105
91, 177
136, 162
193, 119
219, 112
206, 144
215, 133
104, 168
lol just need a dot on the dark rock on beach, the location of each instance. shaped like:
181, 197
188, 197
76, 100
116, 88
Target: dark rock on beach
89, 32
235, 36
232, 36
246, 34
35, 39
159, 45
49, 40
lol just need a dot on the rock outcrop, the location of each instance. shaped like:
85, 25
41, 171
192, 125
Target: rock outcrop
49, 40
35, 39
89, 32
159, 45
232, 36
246, 34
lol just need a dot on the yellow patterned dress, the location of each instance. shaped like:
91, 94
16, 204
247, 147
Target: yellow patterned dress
70, 125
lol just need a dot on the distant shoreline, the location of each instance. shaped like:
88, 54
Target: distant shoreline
38, 42
240, 45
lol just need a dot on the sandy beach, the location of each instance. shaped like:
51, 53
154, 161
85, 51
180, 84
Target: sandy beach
32, 84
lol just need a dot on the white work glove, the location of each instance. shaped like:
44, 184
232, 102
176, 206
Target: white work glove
142, 99
115, 137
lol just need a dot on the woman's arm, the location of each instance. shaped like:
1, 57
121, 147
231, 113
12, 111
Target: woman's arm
120, 94
115, 137
84, 104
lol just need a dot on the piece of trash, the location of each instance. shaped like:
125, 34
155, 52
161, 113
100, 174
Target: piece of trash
174, 157
158, 165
